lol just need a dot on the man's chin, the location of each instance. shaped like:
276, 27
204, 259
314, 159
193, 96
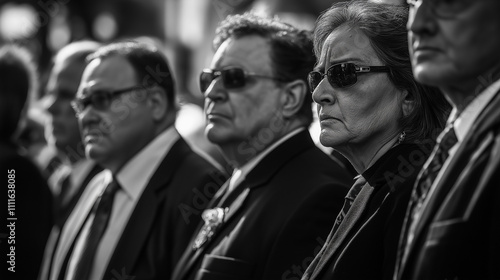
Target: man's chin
428, 76
94, 152
216, 136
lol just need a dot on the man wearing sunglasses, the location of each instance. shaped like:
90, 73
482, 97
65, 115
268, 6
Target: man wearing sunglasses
271, 217
452, 229
131, 221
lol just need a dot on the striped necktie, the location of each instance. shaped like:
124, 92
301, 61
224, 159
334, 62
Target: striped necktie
440, 154
423, 186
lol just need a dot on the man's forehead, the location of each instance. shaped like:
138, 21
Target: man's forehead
110, 69
252, 49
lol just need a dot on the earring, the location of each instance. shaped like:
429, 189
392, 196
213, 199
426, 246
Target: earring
401, 137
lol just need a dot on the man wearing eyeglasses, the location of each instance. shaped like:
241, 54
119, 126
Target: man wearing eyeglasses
68, 181
135, 218
452, 229
273, 215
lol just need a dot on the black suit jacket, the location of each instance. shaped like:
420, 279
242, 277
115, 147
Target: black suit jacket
370, 245
60, 218
165, 216
458, 235
32, 209
292, 197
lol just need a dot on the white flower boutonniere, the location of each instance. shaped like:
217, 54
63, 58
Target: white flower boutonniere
213, 219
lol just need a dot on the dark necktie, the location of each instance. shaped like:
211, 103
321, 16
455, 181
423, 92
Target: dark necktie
441, 153
438, 157
102, 211
358, 197
348, 200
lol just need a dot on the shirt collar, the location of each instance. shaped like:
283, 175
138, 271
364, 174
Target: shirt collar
247, 167
137, 172
463, 122
80, 170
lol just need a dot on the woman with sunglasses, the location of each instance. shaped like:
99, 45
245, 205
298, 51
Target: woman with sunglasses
373, 112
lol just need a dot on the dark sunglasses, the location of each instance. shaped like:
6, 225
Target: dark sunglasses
99, 99
342, 74
231, 78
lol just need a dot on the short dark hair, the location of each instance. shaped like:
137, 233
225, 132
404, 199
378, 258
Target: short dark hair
385, 27
291, 54
150, 65
17, 86
76, 51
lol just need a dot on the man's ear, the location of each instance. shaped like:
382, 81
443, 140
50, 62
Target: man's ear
293, 97
158, 103
408, 103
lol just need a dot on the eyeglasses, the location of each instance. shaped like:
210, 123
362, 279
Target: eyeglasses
231, 78
342, 74
99, 99
443, 8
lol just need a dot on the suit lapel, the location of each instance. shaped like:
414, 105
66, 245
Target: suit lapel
488, 118
48, 254
258, 177
352, 216
75, 223
191, 255
55, 234
136, 232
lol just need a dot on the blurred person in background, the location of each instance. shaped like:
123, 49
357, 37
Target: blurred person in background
62, 132
372, 111
27, 204
69, 180
284, 192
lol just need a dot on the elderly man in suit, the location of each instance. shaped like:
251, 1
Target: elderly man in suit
69, 180
271, 217
452, 224
128, 222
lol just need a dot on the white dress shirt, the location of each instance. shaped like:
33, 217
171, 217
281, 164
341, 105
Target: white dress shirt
133, 179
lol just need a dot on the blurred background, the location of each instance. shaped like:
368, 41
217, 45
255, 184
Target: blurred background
182, 28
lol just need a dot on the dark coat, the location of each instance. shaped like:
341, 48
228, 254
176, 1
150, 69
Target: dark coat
458, 235
369, 248
280, 216
31, 206
165, 216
